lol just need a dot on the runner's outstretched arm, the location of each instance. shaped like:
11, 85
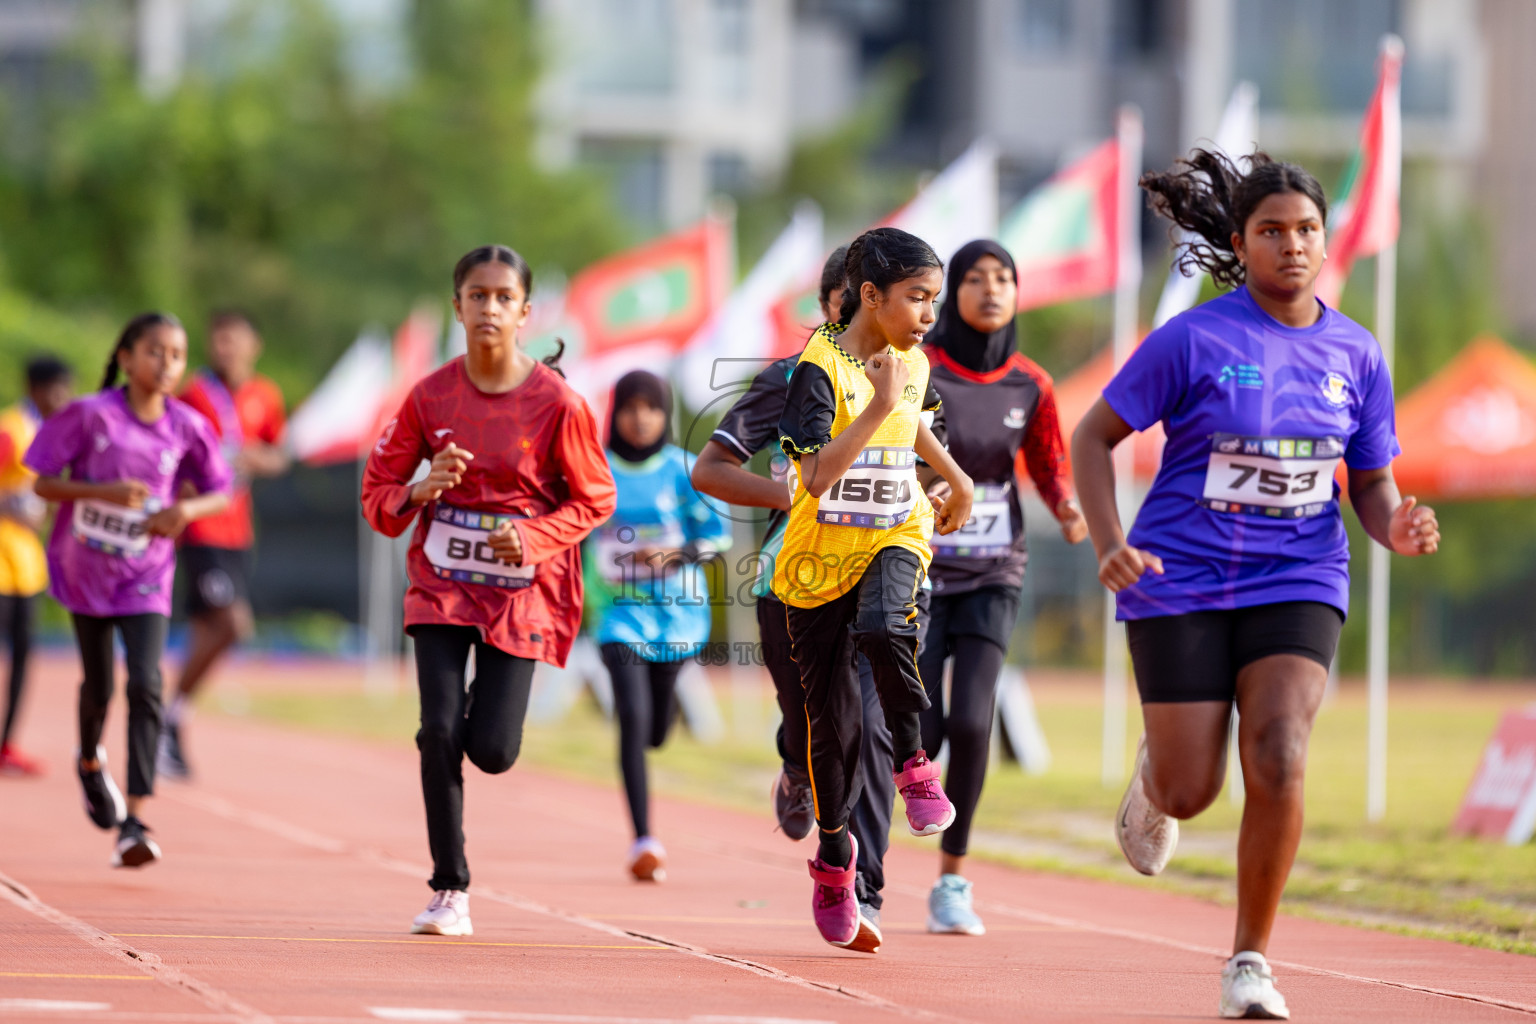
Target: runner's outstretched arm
1093, 470
589, 482
1398, 524
956, 508
718, 473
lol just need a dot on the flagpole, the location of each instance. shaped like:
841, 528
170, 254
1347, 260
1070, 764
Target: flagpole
1380, 565
1127, 287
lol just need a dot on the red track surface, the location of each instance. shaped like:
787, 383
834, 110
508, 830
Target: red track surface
294, 864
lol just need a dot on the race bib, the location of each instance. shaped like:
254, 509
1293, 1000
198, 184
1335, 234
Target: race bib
988, 533
457, 549
113, 529
617, 548
1279, 477
879, 491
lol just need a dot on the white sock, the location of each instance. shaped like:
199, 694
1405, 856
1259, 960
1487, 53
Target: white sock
177, 711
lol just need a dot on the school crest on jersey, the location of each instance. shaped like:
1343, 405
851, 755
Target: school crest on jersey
1015, 418
1335, 389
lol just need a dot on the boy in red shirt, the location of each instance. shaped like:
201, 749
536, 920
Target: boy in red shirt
246, 411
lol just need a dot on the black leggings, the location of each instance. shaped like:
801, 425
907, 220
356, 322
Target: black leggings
645, 703
143, 643
17, 614
483, 721
966, 722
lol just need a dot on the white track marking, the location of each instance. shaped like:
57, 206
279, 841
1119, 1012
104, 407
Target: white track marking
50, 1006
172, 977
1073, 924
304, 837
439, 1016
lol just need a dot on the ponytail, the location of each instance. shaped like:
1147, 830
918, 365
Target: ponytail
882, 256
135, 329
553, 359
1208, 196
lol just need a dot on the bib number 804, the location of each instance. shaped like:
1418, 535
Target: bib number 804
1274, 482
884, 491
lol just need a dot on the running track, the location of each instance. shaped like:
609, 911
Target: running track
295, 864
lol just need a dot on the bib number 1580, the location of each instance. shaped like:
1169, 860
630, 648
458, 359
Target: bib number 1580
882, 490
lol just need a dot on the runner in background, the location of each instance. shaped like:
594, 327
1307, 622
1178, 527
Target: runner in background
652, 608
1234, 581
121, 463
246, 410
1000, 419
23, 565
856, 546
517, 480
748, 427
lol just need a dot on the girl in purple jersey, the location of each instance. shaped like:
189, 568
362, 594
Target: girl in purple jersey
130, 466
1234, 579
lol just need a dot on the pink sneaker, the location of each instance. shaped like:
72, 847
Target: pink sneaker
833, 903
929, 811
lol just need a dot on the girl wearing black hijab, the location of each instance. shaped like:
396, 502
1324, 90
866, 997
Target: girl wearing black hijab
1000, 422
651, 604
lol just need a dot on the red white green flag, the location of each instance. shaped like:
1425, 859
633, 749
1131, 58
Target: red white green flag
660, 292
636, 310
1366, 220
1063, 235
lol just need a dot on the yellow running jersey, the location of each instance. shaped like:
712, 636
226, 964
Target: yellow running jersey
23, 566
828, 542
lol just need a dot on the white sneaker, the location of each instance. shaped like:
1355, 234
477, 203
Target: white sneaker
1248, 989
648, 860
447, 914
1146, 835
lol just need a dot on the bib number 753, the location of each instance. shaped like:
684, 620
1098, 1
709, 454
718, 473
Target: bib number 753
1274, 482
1286, 478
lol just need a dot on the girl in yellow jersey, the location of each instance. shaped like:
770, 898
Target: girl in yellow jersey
23, 566
856, 546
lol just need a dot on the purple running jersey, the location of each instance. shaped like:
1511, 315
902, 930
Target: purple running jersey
100, 559
1245, 510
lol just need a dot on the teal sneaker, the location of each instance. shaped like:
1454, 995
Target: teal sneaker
949, 908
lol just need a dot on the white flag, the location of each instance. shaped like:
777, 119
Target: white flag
958, 205
743, 329
1237, 136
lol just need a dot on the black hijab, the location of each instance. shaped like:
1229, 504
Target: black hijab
653, 391
975, 350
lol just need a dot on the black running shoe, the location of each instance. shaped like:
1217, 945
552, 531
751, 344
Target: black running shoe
134, 847
793, 806
103, 801
169, 761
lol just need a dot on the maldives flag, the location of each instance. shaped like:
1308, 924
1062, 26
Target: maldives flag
1366, 220
657, 294
1062, 236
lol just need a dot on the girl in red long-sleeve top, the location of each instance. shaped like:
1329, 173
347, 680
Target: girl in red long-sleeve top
518, 479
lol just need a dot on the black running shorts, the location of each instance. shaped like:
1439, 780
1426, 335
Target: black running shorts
1197, 655
215, 578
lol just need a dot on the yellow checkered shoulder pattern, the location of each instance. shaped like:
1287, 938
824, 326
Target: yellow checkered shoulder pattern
822, 561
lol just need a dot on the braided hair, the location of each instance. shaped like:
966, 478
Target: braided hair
882, 256
135, 329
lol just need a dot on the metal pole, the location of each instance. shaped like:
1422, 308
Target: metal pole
1380, 576
1127, 288
1389, 178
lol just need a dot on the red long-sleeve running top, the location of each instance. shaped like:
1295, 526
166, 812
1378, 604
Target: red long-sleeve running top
536, 456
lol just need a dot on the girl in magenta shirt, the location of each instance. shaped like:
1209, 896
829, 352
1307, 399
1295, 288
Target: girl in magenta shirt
130, 466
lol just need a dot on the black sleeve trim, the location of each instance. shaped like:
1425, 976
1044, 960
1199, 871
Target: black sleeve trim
809, 410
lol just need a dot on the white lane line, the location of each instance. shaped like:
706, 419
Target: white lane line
297, 834
213, 998
715, 848
51, 1006
434, 1015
